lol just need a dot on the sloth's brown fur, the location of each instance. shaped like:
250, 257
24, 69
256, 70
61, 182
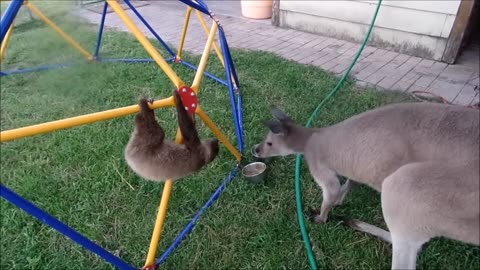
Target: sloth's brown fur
153, 158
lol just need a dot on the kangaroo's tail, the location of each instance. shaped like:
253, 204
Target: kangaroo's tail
367, 228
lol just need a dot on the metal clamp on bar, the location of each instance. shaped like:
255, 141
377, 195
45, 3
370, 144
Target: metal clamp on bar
214, 18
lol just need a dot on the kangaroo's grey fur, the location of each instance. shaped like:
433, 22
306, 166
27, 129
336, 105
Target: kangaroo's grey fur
422, 157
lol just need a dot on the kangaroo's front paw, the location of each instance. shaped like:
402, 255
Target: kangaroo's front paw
314, 216
150, 100
319, 219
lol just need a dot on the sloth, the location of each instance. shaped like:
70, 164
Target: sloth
153, 158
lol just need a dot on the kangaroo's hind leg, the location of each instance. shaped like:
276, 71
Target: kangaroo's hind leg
186, 124
407, 213
404, 253
344, 190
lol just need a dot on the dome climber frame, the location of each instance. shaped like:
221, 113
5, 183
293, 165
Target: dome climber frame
214, 33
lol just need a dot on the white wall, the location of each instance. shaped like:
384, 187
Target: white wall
418, 28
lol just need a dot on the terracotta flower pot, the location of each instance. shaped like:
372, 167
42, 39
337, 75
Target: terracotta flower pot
257, 9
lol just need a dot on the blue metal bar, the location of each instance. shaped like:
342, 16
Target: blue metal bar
239, 109
194, 5
55, 66
188, 228
230, 60
40, 68
237, 83
240, 116
100, 30
149, 27
8, 17
209, 75
126, 60
135, 60
231, 91
46, 218
203, 4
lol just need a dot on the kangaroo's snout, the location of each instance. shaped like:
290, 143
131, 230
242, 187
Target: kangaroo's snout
256, 150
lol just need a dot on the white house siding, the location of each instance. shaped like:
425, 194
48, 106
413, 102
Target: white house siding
419, 28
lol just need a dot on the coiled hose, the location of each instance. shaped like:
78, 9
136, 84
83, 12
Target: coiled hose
298, 195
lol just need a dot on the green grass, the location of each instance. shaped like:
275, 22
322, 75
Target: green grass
79, 174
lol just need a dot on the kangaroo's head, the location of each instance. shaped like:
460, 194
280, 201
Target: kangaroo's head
283, 138
210, 149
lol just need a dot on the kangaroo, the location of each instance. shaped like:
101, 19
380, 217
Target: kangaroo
422, 157
152, 157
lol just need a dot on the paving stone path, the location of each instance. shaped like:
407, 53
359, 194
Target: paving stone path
376, 68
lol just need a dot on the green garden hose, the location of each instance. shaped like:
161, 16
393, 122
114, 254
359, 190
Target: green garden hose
298, 195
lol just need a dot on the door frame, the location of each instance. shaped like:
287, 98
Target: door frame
457, 35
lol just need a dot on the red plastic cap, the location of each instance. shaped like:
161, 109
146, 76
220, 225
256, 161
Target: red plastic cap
189, 99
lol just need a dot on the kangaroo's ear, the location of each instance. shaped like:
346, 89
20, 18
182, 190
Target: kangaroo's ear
275, 127
277, 113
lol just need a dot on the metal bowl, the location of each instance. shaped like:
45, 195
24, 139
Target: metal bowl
255, 172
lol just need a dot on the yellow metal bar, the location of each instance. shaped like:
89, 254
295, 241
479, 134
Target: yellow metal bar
218, 133
162, 212
184, 32
58, 30
205, 29
5, 42
157, 230
215, 47
203, 61
13, 134
145, 43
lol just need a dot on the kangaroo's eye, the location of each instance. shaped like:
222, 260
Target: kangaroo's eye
269, 143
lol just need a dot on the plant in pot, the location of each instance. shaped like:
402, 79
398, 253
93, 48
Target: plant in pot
257, 9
